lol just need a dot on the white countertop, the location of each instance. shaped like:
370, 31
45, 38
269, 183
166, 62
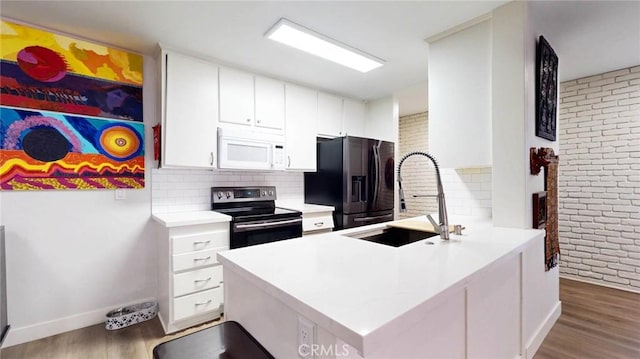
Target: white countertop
357, 289
177, 219
304, 207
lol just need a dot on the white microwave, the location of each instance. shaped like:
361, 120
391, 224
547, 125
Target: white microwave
250, 150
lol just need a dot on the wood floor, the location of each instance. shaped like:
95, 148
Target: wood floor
136, 341
596, 322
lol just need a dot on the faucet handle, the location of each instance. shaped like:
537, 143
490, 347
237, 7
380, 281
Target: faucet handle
436, 226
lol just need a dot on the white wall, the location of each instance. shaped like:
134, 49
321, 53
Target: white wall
515, 29
74, 255
543, 306
599, 209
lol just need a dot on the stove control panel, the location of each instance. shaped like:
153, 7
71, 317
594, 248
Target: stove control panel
242, 194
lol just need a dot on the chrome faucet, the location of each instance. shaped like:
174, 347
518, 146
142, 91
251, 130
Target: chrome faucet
443, 227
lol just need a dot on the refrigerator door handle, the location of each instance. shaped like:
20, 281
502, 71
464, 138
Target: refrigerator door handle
376, 175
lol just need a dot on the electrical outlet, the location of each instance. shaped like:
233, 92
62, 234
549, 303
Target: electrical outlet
306, 338
121, 194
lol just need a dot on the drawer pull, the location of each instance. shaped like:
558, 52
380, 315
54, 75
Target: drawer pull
318, 224
203, 303
202, 280
195, 243
201, 259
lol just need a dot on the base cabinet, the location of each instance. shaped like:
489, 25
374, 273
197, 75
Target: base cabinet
190, 286
317, 222
480, 317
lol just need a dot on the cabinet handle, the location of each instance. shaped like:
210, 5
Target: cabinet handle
248, 120
201, 242
212, 158
202, 303
201, 259
288, 161
258, 121
318, 224
202, 280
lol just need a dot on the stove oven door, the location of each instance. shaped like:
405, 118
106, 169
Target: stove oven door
245, 234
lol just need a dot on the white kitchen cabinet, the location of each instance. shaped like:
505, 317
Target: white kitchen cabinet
329, 115
460, 98
301, 119
382, 120
189, 111
317, 222
353, 118
190, 288
269, 103
236, 97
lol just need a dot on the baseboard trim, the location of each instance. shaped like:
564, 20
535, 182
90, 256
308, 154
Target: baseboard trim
542, 331
600, 283
20, 335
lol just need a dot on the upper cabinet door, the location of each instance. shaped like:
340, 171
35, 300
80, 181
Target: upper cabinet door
329, 115
269, 103
301, 115
236, 97
190, 105
353, 118
460, 98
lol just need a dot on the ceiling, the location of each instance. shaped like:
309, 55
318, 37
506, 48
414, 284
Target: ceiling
589, 37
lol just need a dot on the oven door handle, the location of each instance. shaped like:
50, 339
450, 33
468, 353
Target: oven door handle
367, 219
254, 226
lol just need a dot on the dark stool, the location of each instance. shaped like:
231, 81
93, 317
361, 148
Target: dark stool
226, 340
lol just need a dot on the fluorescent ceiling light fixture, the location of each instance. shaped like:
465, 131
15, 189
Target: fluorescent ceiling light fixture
294, 35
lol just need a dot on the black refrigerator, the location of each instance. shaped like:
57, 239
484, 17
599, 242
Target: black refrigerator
356, 176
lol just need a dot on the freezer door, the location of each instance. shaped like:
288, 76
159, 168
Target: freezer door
381, 171
355, 175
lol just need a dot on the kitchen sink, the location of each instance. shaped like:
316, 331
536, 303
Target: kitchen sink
393, 236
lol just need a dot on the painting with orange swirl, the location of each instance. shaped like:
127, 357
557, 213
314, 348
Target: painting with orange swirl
43, 70
50, 150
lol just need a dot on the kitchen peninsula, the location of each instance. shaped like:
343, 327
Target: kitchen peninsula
463, 298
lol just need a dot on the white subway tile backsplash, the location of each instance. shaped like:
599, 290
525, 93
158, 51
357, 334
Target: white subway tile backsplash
178, 190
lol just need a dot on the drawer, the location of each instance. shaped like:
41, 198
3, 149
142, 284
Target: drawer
193, 281
198, 303
197, 259
317, 221
199, 241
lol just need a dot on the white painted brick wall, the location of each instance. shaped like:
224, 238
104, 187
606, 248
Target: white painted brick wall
418, 176
599, 184
176, 190
467, 190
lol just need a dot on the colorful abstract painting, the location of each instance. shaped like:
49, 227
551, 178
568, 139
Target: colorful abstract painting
49, 150
46, 71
